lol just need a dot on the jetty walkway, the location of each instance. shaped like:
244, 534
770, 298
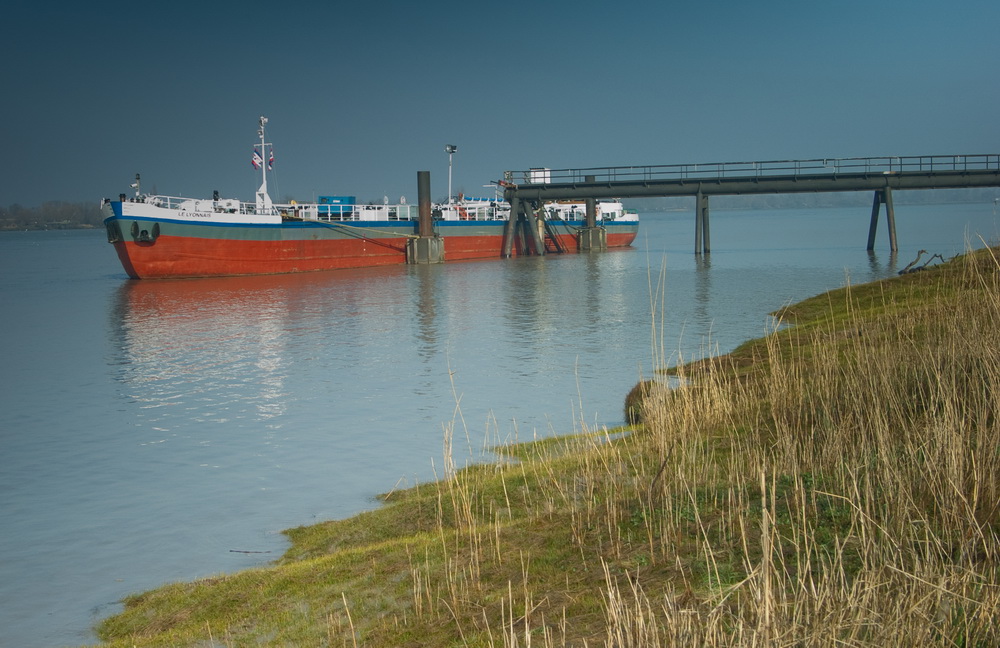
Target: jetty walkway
527, 190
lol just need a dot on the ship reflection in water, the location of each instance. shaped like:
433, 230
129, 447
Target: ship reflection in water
217, 341
237, 349
376, 348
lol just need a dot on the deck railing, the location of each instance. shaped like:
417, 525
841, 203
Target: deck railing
308, 211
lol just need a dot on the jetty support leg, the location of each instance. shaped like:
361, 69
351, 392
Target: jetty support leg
883, 196
890, 218
873, 227
530, 210
510, 228
706, 238
590, 236
702, 240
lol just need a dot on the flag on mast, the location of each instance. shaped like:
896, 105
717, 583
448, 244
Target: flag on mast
256, 160
270, 160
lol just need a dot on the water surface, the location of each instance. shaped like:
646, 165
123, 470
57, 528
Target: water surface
155, 431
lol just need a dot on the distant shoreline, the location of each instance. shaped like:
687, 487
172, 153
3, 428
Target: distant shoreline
49, 227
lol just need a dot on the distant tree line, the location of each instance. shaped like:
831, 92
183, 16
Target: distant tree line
51, 215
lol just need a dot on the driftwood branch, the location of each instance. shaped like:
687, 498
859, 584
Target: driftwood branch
913, 267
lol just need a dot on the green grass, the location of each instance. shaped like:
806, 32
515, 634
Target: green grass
834, 483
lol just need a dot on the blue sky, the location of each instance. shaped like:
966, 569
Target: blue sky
361, 96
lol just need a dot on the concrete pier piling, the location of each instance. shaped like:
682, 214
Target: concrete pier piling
592, 237
427, 247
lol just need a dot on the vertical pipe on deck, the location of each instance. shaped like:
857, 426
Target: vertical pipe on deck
425, 226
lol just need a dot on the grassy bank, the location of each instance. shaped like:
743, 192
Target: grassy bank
835, 483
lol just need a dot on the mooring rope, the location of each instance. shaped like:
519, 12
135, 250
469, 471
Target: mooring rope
359, 235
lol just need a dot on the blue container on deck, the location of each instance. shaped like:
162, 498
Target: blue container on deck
337, 205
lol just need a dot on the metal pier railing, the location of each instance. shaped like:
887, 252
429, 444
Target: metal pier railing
761, 169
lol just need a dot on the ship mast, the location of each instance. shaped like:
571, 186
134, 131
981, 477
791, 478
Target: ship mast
264, 204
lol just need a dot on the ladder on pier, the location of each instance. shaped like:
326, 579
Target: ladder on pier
552, 243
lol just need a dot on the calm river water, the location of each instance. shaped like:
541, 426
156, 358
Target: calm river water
156, 431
